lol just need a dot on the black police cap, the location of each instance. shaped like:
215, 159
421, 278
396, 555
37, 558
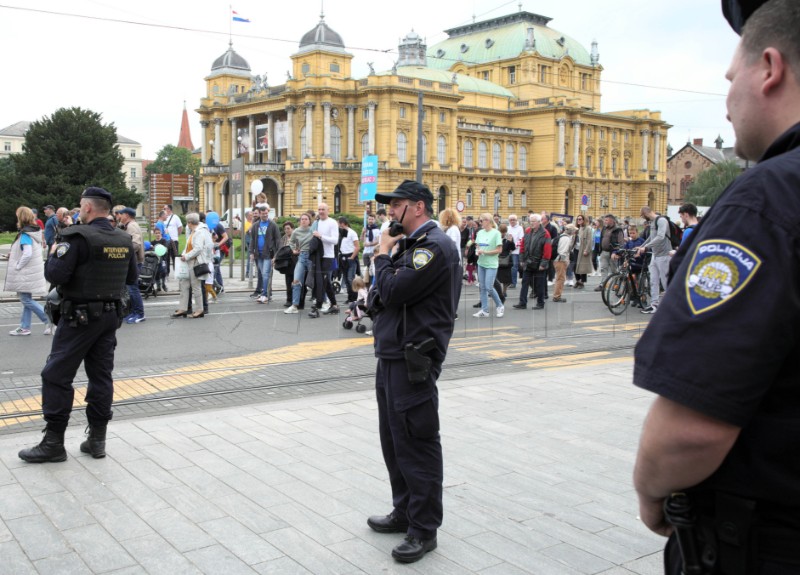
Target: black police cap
409, 190
95, 192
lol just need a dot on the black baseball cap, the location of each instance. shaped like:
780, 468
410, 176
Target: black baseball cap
100, 193
409, 190
737, 12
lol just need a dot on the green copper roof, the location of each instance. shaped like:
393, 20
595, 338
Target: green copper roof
501, 39
465, 83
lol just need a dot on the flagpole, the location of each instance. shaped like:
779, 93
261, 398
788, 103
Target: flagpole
230, 24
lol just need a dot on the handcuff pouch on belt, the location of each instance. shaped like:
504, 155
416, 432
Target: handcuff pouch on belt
417, 363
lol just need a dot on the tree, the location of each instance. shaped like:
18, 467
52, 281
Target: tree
174, 160
710, 183
8, 202
62, 155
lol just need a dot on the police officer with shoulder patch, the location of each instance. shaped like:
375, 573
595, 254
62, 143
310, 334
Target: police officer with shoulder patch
413, 305
718, 467
90, 266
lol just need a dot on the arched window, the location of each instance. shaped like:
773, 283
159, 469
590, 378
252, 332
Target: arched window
298, 194
336, 144
365, 145
523, 199
509, 157
496, 156
441, 150
402, 147
303, 151
482, 151
483, 198
510, 198
424, 158
469, 198
496, 205
468, 150
523, 158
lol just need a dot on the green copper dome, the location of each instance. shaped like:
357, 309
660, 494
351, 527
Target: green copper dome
465, 83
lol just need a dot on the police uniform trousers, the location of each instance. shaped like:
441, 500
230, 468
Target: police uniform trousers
93, 344
408, 420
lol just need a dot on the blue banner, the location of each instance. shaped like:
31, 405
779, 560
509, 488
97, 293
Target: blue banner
369, 178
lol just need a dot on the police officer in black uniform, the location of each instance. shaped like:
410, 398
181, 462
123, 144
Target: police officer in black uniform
413, 304
91, 267
718, 468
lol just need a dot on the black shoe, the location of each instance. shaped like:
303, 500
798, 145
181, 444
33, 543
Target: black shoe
387, 524
520, 306
539, 306
413, 549
50, 450
255, 295
477, 305
333, 310
314, 313
287, 304
95, 443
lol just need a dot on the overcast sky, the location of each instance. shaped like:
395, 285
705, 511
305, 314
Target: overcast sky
667, 56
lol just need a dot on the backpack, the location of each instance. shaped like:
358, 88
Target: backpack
675, 233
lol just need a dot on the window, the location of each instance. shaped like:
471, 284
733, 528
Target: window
510, 199
133, 152
298, 194
482, 152
588, 133
496, 205
7, 146
523, 158
303, 150
626, 165
133, 173
485, 75
336, 144
469, 198
585, 81
613, 135
627, 134
614, 165
523, 199
588, 163
483, 198
468, 150
365, 115
424, 158
305, 69
441, 150
627, 201
544, 72
688, 165
402, 111
512, 74
442, 117
334, 68
402, 147
509, 157
496, 156
602, 164
365, 145
602, 133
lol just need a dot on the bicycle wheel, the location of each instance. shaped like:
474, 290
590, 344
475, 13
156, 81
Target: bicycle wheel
644, 288
603, 285
617, 294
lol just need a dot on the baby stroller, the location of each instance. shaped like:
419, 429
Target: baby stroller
150, 271
357, 313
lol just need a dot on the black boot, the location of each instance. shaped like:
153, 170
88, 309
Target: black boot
96, 441
50, 450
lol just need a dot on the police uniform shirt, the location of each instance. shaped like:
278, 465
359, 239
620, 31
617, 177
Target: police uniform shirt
419, 288
69, 254
726, 338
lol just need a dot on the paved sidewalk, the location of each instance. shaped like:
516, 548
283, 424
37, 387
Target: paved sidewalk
537, 480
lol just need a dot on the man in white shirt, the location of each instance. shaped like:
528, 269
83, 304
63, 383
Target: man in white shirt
174, 229
349, 256
383, 220
328, 232
517, 232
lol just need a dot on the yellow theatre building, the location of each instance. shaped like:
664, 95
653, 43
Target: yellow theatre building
511, 122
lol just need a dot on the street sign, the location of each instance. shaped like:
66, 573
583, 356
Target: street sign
168, 189
369, 178
460, 205
584, 200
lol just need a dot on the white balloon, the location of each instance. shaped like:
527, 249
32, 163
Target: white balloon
256, 187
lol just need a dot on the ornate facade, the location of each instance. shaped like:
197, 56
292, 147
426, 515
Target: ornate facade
511, 122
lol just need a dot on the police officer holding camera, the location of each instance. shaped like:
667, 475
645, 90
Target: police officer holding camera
91, 266
413, 305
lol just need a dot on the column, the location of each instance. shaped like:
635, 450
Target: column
326, 129
656, 150
351, 131
203, 143
290, 132
371, 138
561, 141
576, 144
271, 136
217, 140
234, 141
251, 143
645, 144
309, 129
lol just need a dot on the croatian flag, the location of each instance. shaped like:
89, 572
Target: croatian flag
237, 18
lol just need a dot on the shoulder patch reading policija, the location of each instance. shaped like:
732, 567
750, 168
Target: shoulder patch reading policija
62, 249
718, 271
421, 258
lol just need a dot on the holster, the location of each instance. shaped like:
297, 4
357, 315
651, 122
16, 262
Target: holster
417, 363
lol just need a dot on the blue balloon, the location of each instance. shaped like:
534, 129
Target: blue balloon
147, 246
212, 219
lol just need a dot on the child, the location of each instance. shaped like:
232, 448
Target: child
161, 276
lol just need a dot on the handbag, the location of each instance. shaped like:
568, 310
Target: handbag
504, 261
200, 270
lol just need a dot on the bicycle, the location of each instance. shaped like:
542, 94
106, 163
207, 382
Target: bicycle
622, 288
